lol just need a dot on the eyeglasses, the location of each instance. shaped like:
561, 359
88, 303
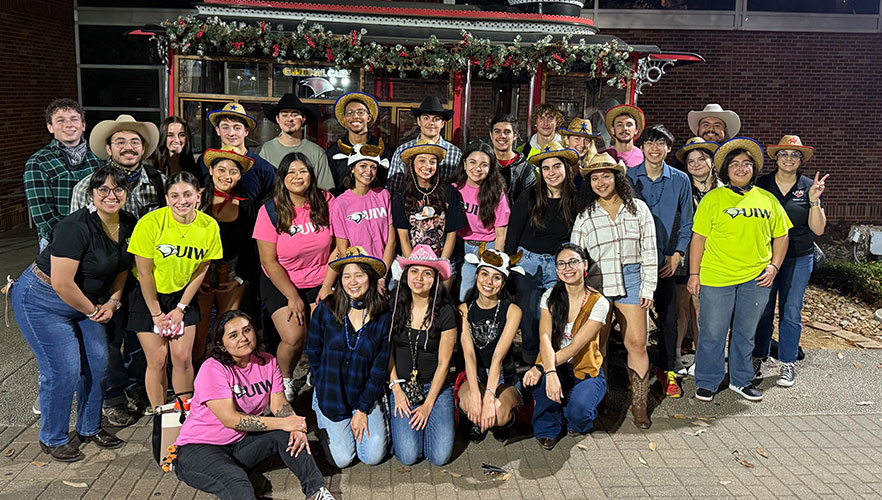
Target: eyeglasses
105, 191
122, 143
572, 263
735, 164
361, 113
795, 155
655, 144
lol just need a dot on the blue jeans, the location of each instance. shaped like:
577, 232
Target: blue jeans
71, 352
125, 367
740, 307
577, 409
340, 445
540, 274
469, 270
435, 441
789, 288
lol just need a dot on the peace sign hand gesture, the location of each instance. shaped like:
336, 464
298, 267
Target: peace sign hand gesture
817, 188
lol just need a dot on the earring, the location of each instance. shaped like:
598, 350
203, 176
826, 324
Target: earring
92, 208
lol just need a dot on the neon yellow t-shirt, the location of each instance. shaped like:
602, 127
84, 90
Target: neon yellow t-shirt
739, 231
176, 249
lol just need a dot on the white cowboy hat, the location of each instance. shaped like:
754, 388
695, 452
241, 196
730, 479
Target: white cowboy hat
729, 117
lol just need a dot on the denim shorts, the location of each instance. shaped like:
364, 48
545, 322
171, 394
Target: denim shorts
631, 275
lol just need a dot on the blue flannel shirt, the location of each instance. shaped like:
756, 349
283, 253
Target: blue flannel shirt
347, 380
669, 198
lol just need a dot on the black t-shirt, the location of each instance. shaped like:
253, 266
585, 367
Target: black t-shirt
543, 240
796, 204
428, 228
427, 351
239, 247
486, 327
80, 237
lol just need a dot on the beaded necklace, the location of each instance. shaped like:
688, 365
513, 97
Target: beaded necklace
358, 334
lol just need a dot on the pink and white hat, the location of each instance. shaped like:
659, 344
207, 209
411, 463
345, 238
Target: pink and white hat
423, 255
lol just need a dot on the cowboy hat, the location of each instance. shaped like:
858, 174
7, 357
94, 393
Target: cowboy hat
580, 127
105, 129
364, 152
555, 150
416, 149
366, 99
791, 142
746, 143
602, 161
729, 117
232, 110
423, 255
432, 105
212, 155
495, 259
356, 255
624, 109
289, 101
692, 145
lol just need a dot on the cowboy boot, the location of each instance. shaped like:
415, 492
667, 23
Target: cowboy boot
639, 394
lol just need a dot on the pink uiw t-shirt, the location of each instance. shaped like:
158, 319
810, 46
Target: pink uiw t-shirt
304, 250
216, 381
475, 230
363, 220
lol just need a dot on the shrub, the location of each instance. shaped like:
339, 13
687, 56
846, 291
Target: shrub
862, 281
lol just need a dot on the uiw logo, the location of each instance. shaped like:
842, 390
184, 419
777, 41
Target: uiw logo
181, 251
748, 212
369, 214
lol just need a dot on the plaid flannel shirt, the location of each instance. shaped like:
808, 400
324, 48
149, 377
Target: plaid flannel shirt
398, 170
49, 183
140, 200
629, 239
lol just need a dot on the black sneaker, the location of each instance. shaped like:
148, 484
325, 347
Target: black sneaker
119, 415
787, 376
703, 394
758, 368
475, 434
747, 392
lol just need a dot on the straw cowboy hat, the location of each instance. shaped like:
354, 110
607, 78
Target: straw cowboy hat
495, 259
753, 147
105, 129
364, 152
602, 161
234, 110
624, 109
356, 255
693, 144
432, 105
729, 117
791, 142
290, 101
423, 255
366, 99
555, 150
424, 148
212, 155
580, 127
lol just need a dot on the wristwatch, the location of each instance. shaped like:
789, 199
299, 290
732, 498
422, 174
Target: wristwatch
183, 307
815, 203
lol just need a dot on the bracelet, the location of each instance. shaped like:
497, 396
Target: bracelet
550, 371
156, 315
492, 393
240, 281
116, 303
694, 274
777, 269
395, 382
94, 313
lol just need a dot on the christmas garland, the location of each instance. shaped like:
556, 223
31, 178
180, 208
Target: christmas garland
192, 35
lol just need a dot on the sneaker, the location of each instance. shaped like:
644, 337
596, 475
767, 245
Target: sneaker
758, 368
671, 385
36, 406
691, 371
788, 375
747, 392
703, 394
119, 415
475, 434
322, 494
290, 390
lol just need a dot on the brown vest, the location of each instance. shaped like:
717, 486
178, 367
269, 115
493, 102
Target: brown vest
589, 360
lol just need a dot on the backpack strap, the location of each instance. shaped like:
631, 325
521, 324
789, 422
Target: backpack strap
271, 211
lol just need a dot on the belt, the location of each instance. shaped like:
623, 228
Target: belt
40, 274
476, 243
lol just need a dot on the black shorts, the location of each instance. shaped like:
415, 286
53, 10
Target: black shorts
274, 300
140, 319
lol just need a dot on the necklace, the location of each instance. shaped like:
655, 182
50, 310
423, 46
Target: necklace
484, 333
179, 224
413, 388
428, 193
358, 334
569, 336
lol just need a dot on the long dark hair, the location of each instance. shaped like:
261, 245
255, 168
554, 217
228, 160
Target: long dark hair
338, 302
412, 196
315, 197
492, 186
162, 155
713, 176
569, 199
623, 188
403, 301
559, 301
205, 204
217, 351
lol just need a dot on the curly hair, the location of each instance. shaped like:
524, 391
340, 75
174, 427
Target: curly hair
217, 350
492, 186
319, 214
546, 109
624, 189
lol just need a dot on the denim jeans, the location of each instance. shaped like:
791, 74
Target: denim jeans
71, 352
223, 470
126, 365
467, 281
340, 445
540, 274
740, 307
435, 441
576, 411
789, 288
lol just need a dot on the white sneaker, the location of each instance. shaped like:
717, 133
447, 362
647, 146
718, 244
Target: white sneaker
322, 494
290, 392
691, 371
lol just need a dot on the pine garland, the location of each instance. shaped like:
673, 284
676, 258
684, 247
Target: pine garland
192, 35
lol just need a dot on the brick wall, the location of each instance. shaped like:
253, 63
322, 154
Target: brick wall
38, 54
823, 87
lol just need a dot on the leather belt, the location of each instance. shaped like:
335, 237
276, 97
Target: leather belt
40, 274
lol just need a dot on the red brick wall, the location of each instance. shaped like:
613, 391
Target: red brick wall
40, 62
823, 87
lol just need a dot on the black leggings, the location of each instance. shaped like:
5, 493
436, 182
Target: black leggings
223, 470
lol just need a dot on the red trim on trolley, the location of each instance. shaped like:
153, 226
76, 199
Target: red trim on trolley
171, 81
677, 57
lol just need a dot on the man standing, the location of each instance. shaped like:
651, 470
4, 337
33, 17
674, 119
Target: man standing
579, 136
668, 193
292, 116
357, 112
518, 173
546, 120
714, 123
624, 124
431, 118
52, 172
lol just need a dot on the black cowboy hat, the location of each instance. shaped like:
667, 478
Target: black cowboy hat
431, 105
289, 101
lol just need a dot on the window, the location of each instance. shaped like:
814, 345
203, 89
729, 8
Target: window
666, 4
120, 87
111, 45
816, 6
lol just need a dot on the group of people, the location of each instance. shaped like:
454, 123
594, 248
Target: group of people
406, 277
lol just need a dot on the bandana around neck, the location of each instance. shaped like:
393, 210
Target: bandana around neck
74, 154
132, 175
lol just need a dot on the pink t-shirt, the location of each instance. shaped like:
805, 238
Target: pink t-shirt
304, 250
475, 230
363, 220
216, 381
631, 158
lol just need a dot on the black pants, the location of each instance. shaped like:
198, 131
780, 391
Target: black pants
223, 470
665, 299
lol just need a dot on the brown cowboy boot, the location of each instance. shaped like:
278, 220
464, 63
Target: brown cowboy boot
639, 394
